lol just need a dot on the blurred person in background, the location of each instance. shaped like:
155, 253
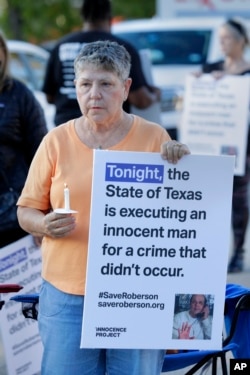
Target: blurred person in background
22, 127
59, 79
234, 39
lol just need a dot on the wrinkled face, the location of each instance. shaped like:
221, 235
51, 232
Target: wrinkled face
100, 94
230, 42
197, 304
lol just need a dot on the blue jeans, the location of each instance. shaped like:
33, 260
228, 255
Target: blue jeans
60, 324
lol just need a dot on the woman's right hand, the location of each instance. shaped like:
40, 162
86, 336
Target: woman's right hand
59, 225
39, 223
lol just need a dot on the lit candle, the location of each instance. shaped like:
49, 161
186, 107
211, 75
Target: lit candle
66, 197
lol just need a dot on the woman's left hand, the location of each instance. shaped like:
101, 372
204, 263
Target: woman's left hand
172, 151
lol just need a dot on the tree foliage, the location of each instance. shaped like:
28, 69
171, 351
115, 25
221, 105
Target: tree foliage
42, 20
130, 9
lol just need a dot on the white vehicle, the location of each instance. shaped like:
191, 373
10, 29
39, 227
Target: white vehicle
28, 64
177, 47
202, 8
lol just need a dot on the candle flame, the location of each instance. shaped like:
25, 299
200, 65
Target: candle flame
65, 185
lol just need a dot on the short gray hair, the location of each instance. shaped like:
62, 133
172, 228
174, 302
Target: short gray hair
106, 55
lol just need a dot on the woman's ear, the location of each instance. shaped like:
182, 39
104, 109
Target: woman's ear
127, 85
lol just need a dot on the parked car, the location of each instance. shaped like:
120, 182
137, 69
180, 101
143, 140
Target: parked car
28, 64
177, 47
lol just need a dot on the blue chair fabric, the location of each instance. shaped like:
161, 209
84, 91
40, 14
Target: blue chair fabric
241, 333
29, 304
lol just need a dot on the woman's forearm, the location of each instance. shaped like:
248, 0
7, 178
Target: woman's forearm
31, 220
39, 223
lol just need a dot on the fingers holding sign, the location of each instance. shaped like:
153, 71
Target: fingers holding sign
172, 151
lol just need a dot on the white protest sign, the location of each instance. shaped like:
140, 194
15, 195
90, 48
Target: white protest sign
20, 263
158, 231
215, 117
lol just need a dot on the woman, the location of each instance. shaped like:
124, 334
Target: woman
65, 155
22, 127
234, 39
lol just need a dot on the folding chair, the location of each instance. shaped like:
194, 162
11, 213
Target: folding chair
237, 316
8, 288
237, 319
29, 304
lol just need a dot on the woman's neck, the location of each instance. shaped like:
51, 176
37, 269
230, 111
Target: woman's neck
103, 137
236, 65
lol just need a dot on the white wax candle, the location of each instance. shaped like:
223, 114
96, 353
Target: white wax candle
66, 197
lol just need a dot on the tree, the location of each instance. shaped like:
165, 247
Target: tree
42, 20
134, 8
